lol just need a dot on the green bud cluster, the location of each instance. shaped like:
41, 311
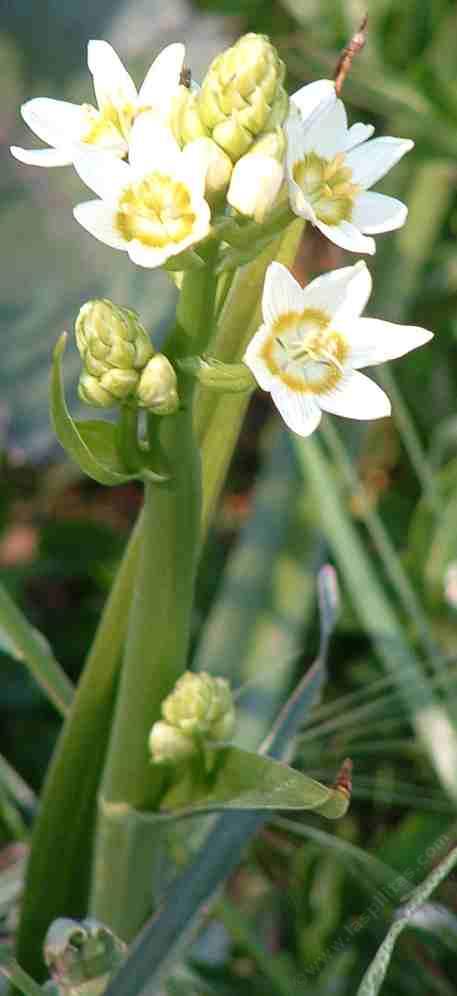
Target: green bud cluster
242, 95
114, 349
82, 956
199, 707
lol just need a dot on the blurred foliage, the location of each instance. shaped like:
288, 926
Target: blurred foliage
310, 905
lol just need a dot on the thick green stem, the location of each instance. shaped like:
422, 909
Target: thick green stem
155, 656
218, 417
64, 826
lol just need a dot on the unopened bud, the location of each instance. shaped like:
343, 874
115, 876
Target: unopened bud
169, 745
158, 387
114, 349
255, 185
242, 94
82, 956
201, 705
234, 378
219, 166
186, 123
272, 145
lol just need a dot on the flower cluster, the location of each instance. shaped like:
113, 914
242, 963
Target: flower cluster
200, 708
238, 134
173, 164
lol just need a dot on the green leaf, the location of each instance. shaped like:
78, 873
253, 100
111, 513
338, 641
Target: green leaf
374, 977
241, 779
90, 444
24, 982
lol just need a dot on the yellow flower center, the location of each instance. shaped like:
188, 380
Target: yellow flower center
156, 211
327, 186
109, 125
304, 352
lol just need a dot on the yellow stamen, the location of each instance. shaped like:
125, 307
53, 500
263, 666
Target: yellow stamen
156, 211
327, 186
304, 352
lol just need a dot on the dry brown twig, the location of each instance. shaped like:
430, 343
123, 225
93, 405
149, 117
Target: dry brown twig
349, 53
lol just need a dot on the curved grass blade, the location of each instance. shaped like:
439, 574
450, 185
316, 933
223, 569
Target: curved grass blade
30, 646
374, 977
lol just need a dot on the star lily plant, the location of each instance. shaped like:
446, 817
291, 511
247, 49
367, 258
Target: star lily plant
215, 184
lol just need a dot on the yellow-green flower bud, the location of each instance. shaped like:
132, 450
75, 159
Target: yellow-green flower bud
242, 94
168, 745
114, 349
110, 389
82, 956
158, 387
272, 145
186, 123
201, 705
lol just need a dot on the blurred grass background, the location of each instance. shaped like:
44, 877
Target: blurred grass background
379, 501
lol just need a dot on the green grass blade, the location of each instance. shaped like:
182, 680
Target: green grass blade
374, 977
378, 616
32, 648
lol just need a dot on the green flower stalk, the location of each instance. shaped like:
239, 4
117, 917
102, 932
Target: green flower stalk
201, 705
231, 378
114, 349
242, 95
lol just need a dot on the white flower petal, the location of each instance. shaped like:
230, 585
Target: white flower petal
357, 134
342, 293
43, 157
100, 220
347, 236
147, 256
327, 134
372, 160
356, 396
57, 122
312, 98
373, 341
299, 204
102, 172
162, 79
194, 163
281, 293
254, 360
254, 185
152, 146
113, 85
374, 213
299, 411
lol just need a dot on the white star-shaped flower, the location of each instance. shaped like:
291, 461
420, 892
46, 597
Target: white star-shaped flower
68, 127
331, 167
152, 207
308, 351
